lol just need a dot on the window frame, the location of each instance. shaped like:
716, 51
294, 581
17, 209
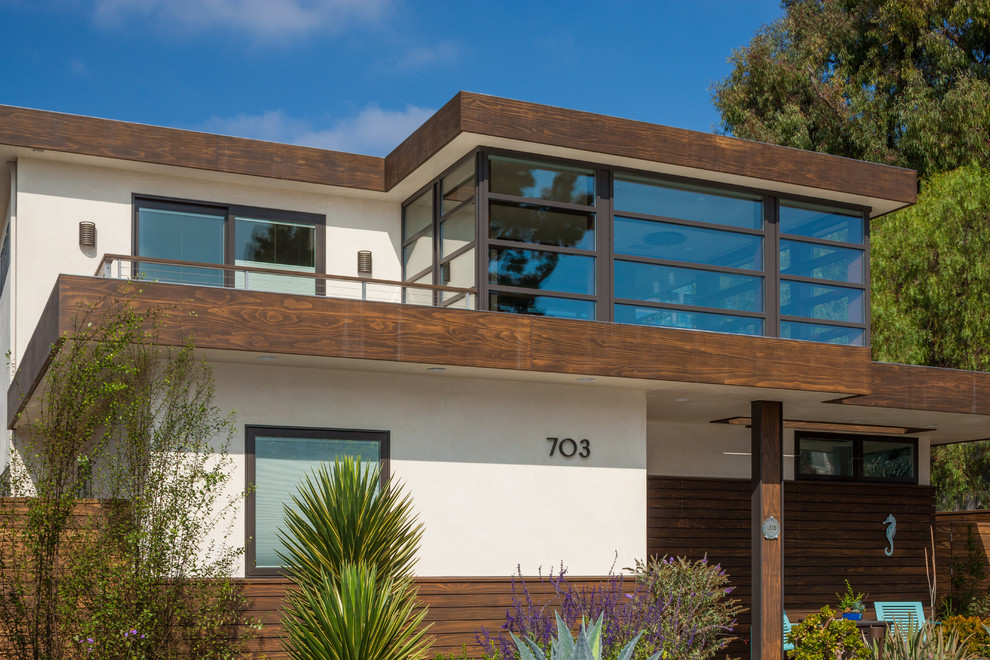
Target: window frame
251, 431
230, 212
857, 458
604, 252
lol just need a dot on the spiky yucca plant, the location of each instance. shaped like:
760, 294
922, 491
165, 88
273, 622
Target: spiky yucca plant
928, 642
350, 545
343, 515
357, 616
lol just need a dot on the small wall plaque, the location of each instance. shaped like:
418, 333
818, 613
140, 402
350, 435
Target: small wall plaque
771, 528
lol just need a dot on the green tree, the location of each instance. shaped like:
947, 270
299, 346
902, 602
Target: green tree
902, 82
122, 470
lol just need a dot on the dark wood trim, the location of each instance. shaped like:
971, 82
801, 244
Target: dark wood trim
39, 129
912, 387
540, 124
768, 554
42, 347
277, 323
465, 113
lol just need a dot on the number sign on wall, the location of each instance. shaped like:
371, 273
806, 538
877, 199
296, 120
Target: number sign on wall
569, 447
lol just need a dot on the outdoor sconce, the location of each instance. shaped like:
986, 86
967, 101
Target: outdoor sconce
445, 274
87, 234
364, 262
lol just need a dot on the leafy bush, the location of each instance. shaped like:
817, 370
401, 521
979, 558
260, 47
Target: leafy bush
129, 571
680, 608
350, 548
972, 630
823, 637
929, 642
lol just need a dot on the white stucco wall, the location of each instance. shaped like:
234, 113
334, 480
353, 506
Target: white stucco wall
706, 450
474, 455
53, 197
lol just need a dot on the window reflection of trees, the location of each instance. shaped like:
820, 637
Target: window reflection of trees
283, 244
535, 224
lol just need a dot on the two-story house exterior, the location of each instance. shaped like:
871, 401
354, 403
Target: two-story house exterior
573, 337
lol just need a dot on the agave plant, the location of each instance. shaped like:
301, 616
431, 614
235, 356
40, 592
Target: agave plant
927, 642
350, 546
586, 646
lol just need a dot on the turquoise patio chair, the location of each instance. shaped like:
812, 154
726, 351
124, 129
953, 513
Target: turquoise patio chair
907, 616
787, 631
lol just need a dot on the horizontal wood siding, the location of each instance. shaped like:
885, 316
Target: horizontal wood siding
831, 531
955, 530
458, 609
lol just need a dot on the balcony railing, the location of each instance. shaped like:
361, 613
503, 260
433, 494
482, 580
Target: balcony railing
278, 280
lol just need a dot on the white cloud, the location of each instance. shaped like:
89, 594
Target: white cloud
263, 19
373, 131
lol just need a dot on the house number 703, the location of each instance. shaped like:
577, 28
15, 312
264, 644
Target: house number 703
568, 447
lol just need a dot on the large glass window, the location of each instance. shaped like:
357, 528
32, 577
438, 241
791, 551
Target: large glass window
564, 219
842, 457
278, 460
688, 252
439, 239
823, 273
228, 235
561, 238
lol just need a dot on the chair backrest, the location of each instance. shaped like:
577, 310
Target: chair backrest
907, 616
787, 630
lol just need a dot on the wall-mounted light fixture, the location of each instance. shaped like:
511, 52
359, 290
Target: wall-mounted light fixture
445, 274
364, 262
87, 234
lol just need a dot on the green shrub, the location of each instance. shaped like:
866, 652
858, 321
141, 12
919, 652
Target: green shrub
971, 629
823, 637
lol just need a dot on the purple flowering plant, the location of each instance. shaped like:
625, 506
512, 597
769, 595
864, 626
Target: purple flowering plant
680, 607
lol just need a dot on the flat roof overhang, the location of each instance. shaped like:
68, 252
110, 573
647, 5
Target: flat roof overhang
467, 121
689, 376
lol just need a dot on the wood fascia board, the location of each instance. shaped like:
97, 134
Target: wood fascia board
913, 387
239, 320
41, 129
42, 347
531, 122
465, 113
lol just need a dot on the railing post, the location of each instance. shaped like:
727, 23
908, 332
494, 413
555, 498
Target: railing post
118, 269
245, 280
364, 289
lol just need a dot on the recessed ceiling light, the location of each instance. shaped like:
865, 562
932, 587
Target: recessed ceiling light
436, 370
858, 421
266, 358
682, 400
585, 380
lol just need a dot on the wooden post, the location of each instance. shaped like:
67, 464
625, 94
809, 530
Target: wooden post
768, 556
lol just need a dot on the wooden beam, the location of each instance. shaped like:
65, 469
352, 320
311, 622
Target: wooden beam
278, 323
913, 387
767, 503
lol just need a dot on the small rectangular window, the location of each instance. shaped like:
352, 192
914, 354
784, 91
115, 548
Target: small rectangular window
841, 457
278, 460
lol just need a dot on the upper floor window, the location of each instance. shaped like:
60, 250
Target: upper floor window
574, 240
228, 235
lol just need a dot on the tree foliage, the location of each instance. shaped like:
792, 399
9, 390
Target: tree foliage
931, 292
121, 464
902, 82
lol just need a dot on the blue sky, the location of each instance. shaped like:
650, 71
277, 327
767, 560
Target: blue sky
360, 75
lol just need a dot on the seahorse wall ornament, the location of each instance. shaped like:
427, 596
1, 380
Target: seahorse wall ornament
891, 522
